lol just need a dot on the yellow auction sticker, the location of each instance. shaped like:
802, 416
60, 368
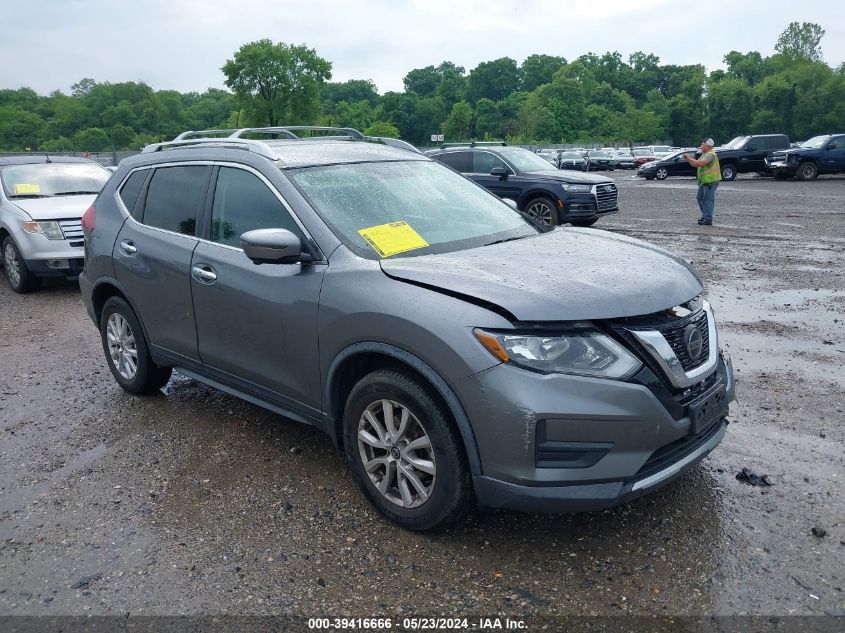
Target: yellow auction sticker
24, 188
395, 237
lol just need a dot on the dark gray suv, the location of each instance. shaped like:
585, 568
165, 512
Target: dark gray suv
455, 350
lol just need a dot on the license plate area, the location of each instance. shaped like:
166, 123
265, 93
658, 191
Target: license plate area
707, 411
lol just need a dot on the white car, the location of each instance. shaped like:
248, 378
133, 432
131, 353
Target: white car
42, 200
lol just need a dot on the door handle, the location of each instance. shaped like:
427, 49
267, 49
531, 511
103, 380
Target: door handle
204, 274
128, 247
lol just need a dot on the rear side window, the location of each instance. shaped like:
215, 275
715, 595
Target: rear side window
175, 198
242, 202
459, 161
837, 142
131, 188
776, 142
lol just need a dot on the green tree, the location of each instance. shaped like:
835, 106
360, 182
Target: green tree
494, 80
380, 128
92, 139
19, 129
487, 120
277, 83
537, 70
801, 41
350, 91
457, 124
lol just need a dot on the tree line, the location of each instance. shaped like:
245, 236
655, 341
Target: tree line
545, 99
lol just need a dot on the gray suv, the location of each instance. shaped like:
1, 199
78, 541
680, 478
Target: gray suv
455, 350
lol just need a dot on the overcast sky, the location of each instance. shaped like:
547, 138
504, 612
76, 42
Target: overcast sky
181, 44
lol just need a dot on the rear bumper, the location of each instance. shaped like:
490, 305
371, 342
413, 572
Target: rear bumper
494, 493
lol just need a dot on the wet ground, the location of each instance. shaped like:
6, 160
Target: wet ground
194, 502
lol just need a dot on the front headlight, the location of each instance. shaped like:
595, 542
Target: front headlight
576, 188
580, 350
50, 229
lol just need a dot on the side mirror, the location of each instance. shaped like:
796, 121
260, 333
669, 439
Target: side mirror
273, 245
511, 203
501, 172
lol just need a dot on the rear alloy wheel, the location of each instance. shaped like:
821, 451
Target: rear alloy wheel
127, 352
542, 211
404, 453
728, 172
20, 277
662, 173
808, 171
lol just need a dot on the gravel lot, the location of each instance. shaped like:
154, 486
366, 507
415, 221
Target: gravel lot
194, 502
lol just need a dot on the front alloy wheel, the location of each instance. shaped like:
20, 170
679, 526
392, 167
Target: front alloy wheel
396, 453
404, 450
20, 278
662, 173
542, 211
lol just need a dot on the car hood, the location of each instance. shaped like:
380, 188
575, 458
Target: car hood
568, 176
568, 274
57, 208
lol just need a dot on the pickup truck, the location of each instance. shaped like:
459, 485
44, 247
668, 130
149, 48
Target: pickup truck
746, 154
823, 154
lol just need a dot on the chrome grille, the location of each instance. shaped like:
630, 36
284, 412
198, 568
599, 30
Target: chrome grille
607, 197
72, 229
674, 335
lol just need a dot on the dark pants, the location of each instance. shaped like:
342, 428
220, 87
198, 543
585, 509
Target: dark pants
707, 200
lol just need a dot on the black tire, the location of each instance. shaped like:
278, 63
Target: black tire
807, 171
779, 175
584, 222
728, 172
147, 377
20, 278
662, 173
450, 496
542, 210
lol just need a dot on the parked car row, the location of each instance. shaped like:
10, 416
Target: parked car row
764, 154
605, 158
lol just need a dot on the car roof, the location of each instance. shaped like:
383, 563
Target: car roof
288, 153
35, 159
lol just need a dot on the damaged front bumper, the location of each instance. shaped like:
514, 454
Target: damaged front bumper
562, 443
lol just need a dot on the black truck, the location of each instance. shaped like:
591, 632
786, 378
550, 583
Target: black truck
823, 154
746, 154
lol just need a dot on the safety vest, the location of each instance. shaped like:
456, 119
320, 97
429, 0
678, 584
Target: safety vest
711, 172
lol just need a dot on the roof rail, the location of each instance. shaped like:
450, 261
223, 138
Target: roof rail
258, 147
473, 144
232, 139
289, 131
204, 134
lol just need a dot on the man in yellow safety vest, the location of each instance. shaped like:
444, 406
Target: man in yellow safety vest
709, 174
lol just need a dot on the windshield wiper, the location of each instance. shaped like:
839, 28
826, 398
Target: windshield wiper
507, 239
75, 193
29, 195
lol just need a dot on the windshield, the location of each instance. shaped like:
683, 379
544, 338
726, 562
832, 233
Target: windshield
816, 142
598, 154
737, 142
524, 160
44, 180
641, 152
418, 207
662, 149
572, 156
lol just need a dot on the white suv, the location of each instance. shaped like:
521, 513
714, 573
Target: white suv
42, 200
